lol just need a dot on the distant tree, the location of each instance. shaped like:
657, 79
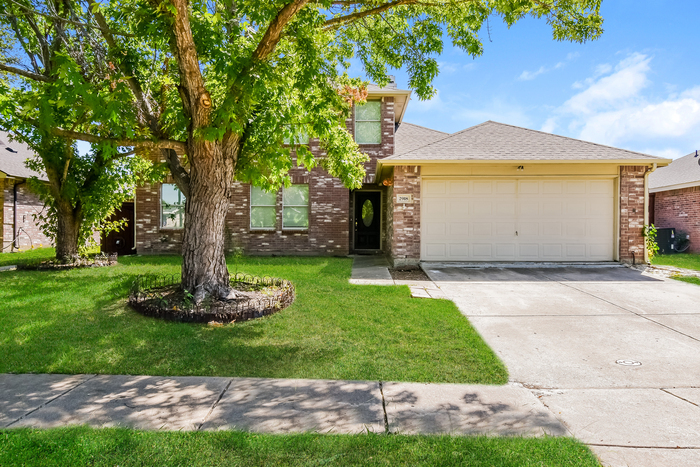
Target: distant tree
227, 81
46, 50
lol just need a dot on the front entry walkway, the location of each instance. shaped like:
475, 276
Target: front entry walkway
374, 270
614, 353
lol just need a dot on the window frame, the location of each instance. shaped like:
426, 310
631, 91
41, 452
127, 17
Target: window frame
379, 121
182, 215
252, 206
307, 206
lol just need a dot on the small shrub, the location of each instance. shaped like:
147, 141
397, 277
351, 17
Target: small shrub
650, 241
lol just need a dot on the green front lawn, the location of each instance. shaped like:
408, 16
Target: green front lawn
680, 260
77, 321
35, 256
110, 447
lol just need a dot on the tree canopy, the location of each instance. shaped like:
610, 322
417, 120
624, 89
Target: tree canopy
226, 82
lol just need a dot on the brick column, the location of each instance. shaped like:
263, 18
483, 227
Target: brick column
632, 214
405, 244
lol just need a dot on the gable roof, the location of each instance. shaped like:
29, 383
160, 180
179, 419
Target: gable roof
409, 137
492, 141
682, 173
13, 154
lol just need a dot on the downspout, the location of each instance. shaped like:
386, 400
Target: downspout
15, 229
646, 205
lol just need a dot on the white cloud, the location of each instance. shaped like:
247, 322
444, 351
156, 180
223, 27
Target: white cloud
629, 78
530, 75
613, 108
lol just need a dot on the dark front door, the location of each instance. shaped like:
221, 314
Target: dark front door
122, 242
368, 217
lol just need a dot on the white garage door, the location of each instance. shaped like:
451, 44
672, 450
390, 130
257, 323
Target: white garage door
517, 220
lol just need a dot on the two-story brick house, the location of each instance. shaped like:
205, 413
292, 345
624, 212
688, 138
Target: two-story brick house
492, 192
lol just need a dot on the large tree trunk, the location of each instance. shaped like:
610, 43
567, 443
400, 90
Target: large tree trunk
67, 231
204, 271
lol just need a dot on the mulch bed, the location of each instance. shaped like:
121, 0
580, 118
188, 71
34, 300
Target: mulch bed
254, 300
408, 274
78, 262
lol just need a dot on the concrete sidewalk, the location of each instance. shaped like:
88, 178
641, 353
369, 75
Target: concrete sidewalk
270, 405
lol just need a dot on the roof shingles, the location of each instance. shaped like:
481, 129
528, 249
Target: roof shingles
682, 171
492, 141
13, 155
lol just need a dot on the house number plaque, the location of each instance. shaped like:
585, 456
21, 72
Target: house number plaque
404, 199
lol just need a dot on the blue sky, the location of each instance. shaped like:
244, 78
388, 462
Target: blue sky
637, 87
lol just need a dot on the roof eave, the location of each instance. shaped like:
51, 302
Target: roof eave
659, 162
677, 186
398, 117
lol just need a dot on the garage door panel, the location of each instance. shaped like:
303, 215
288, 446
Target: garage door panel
576, 251
505, 208
482, 250
508, 187
435, 250
459, 229
551, 229
505, 251
600, 187
436, 229
529, 208
576, 229
528, 229
552, 188
434, 209
555, 220
505, 229
482, 228
433, 187
551, 250
482, 187
459, 187
576, 187
551, 208
459, 250
481, 208
529, 250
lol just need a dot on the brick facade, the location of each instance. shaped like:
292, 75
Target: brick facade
28, 206
330, 214
679, 209
632, 213
405, 218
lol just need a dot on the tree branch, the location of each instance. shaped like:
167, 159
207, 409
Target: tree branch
159, 144
180, 175
24, 73
340, 20
143, 103
66, 20
274, 30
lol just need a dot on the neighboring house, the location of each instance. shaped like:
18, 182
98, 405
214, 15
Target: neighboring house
19, 205
492, 192
675, 198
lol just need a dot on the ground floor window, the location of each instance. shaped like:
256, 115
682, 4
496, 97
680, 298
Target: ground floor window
262, 208
295, 207
172, 207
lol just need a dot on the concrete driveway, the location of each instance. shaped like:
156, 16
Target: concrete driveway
614, 353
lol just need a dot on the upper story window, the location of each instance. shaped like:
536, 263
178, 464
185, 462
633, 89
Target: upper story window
262, 209
172, 207
368, 123
295, 207
300, 138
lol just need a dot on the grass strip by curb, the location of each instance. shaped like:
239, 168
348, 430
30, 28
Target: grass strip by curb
126, 448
